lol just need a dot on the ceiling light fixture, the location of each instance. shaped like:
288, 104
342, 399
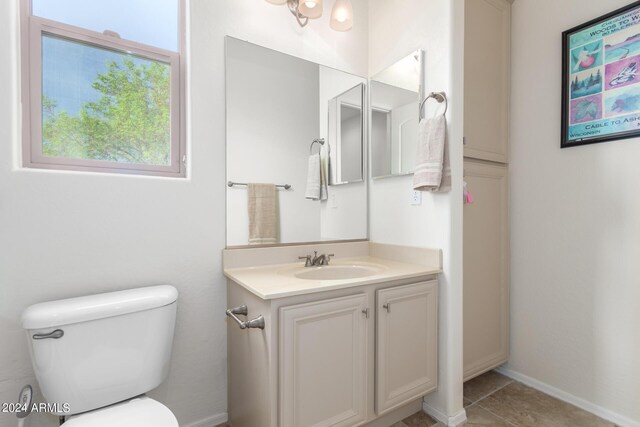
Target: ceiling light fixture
342, 15
304, 10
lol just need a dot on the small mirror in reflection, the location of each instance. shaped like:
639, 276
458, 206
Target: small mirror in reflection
346, 135
395, 96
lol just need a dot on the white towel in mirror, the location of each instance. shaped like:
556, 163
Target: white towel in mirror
316, 179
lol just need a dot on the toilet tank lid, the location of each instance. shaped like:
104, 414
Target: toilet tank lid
99, 306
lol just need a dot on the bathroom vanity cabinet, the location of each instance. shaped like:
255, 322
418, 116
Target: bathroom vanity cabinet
346, 357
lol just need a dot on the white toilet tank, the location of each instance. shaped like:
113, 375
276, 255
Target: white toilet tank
93, 351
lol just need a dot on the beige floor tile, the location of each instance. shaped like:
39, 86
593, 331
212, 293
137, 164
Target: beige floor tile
419, 419
526, 407
466, 402
477, 416
485, 384
399, 424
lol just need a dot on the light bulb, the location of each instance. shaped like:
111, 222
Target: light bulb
342, 15
312, 9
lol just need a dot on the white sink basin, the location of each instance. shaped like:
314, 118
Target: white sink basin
338, 272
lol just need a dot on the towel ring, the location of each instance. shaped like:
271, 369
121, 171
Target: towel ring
438, 96
314, 142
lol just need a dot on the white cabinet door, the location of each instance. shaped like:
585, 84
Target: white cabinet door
486, 79
407, 351
323, 363
486, 286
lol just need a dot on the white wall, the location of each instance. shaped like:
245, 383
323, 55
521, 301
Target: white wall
575, 240
67, 234
401, 27
272, 117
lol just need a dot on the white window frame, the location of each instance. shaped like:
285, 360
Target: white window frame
33, 28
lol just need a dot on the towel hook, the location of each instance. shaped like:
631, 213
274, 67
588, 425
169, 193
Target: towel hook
316, 141
438, 96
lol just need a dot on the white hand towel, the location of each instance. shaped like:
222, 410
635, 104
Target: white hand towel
433, 170
316, 179
262, 200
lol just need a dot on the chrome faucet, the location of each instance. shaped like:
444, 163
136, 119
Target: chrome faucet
317, 260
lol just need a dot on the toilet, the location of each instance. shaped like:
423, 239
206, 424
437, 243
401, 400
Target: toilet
95, 356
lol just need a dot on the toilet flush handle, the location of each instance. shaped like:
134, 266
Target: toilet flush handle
58, 333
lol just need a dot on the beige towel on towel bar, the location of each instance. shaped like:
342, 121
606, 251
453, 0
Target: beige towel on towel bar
433, 169
263, 214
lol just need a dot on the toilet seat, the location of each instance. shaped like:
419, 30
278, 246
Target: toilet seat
139, 412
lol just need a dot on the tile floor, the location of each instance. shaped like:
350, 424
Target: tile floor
493, 400
497, 401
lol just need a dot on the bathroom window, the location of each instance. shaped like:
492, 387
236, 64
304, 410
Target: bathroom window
102, 86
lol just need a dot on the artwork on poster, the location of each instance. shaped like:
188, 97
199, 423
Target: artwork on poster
601, 79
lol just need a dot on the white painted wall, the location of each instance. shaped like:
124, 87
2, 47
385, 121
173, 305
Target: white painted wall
401, 27
575, 240
65, 234
272, 117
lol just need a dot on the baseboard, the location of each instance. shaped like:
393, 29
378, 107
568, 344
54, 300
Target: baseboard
607, 414
211, 421
454, 421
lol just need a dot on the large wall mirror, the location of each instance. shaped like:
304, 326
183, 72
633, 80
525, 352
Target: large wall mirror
395, 98
298, 126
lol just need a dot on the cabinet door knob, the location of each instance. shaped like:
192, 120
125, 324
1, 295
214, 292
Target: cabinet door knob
387, 307
366, 312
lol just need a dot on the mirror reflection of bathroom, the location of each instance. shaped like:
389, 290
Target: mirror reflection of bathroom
395, 97
346, 136
296, 128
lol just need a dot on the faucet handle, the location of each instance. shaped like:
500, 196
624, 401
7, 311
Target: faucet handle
307, 260
329, 258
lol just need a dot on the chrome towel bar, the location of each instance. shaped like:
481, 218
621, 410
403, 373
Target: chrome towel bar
231, 184
242, 310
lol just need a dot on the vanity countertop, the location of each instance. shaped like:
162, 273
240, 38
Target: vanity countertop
279, 281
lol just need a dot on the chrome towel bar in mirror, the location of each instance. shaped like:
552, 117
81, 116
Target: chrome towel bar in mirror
438, 96
314, 142
231, 184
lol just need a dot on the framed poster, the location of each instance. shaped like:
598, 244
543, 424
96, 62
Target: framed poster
601, 79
